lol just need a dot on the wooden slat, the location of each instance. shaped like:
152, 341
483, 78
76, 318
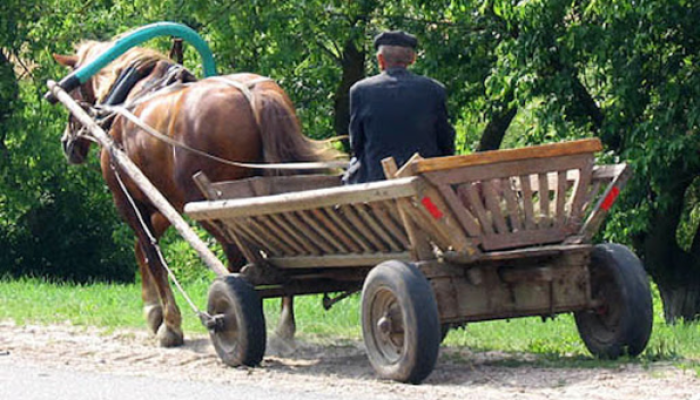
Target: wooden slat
293, 222
351, 215
494, 205
260, 239
377, 228
375, 191
337, 261
335, 231
291, 231
543, 194
323, 233
388, 223
464, 216
334, 214
592, 194
281, 235
528, 208
250, 252
523, 253
512, 205
523, 238
586, 146
598, 214
308, 230
470, 193
579, 193
508, 169
561, 198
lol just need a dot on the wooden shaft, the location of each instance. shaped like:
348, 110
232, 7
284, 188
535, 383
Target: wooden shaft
123, 161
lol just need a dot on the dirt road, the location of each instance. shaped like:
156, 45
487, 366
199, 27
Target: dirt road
339, 369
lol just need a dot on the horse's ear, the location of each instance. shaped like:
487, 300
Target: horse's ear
67, 61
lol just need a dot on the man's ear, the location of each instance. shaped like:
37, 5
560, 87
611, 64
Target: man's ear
67, 61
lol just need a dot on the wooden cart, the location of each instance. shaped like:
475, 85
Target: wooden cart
445, 241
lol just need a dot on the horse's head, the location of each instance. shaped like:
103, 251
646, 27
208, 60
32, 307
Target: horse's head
96, 89
74, 142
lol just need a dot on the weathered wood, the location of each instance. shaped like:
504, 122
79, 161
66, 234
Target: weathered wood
307, 232
270, 243
376, 228
343, 224
492, 158
512, 206
560, 217
350, 213
469, 194
492, 200
420, 246
378, 208
529, 275
290, 230
344, 243
375, 191
544, 220
528, 208
465, 217
512, 168
138, 177
590, 227
523, 238
523, 253
337, 260
272, 227
580, 189
323, 237
269, 185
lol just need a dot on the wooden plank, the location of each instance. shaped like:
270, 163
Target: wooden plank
337, 260
347, 245
543, 194
293, 222
350, 212
375, 227
470, 193
508, 169
512, 205
590, 227
266, 185
269, 241
465, 217
258, 239
323, 234
251, 253
528, 208
375, 191
444, 221
523, 238
308, 229
580, 190
335, 215
523, 253
591, 194
562, 184
420, 246
394, 229
586, 146
493, 203
292, 232
281, 235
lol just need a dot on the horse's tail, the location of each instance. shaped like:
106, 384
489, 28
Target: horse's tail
282, 137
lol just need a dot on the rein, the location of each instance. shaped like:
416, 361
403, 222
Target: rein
106, 112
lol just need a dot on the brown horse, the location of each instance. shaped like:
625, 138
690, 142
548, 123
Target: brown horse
250, 120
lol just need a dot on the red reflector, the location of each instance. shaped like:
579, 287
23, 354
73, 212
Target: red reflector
610, 198
431, 207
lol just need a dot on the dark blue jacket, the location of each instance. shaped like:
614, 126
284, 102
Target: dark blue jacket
397, 113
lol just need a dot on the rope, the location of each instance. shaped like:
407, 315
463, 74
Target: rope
153, 241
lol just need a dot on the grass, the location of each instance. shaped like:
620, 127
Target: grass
554, 342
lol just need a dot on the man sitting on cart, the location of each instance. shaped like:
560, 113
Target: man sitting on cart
396, 113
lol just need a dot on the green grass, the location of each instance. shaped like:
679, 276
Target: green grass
554, 342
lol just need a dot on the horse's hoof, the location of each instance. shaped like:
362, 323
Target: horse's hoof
154, 317
169, 337
280, 347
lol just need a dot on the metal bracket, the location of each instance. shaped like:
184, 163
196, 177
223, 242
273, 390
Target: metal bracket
329, 302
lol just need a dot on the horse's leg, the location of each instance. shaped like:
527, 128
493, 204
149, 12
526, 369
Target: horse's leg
287, 327
152, 309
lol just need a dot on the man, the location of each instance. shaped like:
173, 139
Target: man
396, 113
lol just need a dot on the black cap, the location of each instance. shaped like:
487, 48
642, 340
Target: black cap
395, 38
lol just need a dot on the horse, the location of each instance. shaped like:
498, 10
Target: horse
243, 117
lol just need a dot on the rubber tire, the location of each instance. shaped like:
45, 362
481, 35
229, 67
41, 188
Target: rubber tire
237, 300
409, 295
623, 324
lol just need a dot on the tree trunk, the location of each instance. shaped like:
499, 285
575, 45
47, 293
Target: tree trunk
9, 91
493, 134
353, 64
675, 271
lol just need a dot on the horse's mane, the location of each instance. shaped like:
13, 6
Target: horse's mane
106, 77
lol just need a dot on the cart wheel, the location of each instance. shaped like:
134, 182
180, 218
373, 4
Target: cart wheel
400, 323
238, 331
622, 323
